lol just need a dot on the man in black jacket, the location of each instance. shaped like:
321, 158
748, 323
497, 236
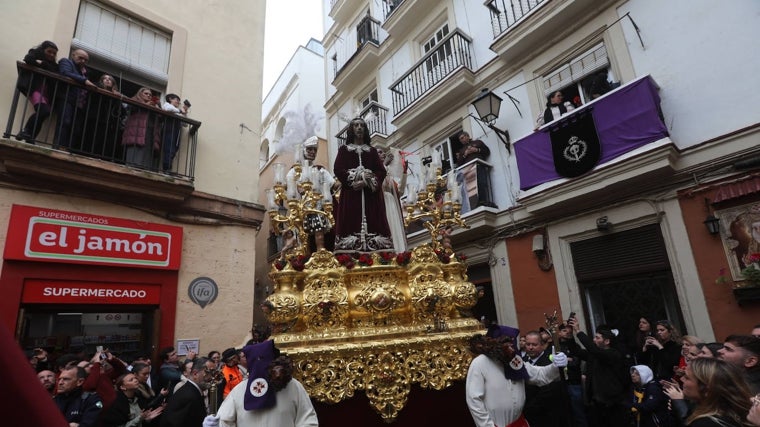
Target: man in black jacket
186, 407
77, 406
605, 376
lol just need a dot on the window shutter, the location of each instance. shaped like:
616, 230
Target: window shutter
628, 252
130, 45
583, 65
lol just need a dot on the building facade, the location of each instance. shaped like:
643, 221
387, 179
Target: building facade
600, 211
103, 249
292, 112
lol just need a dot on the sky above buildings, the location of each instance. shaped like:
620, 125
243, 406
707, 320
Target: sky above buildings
289, 24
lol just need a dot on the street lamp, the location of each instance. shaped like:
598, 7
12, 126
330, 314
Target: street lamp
487, 106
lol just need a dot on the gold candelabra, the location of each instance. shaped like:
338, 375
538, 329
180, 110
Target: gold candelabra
300, 199
437, 204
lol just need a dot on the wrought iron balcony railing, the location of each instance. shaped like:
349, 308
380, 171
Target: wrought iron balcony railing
449, 55
376, 117
367, 31
506, 13
389, 6
100, 124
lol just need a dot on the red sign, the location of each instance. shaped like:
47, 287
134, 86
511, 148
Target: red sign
38, 234
55, 292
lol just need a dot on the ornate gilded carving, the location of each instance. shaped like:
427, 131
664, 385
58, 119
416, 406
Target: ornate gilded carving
375, 324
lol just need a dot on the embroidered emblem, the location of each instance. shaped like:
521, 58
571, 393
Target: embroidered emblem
575, 150
516, 363
259, 387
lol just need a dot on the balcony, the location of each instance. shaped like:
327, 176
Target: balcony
376, 117
84, 154
451, 54
365, 60
521, 27
341, 10
439, 79
620, 142
389, 6
406, 15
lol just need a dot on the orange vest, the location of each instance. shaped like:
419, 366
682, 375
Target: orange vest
233, 377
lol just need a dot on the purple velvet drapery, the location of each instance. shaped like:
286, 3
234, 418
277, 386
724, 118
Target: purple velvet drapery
627, 118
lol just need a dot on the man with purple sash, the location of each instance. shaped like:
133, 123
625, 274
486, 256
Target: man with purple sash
270, 398
495, 385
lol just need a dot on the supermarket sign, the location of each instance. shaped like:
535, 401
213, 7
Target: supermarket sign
62, 292
39, 234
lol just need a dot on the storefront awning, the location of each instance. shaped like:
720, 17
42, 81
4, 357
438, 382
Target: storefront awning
733, 190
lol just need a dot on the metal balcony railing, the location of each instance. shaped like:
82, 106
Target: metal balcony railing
389, 6
368, 30
450, 54
376, 117
96, 123
506, 13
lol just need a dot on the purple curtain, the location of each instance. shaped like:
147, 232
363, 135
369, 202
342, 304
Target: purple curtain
627, 118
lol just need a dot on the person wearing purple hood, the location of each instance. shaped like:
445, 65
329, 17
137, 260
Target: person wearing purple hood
270, 398
495, 384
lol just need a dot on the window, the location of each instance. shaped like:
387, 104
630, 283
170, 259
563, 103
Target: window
133, 51
367, 100
442, 51
447, 150
581, 78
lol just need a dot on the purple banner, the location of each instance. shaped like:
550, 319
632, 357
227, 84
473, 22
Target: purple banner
626, 118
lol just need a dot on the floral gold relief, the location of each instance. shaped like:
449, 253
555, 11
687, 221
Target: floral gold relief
378, 325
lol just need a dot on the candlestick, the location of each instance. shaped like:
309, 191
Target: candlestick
279, 173
456, 193
292, 189
271, 204
326, 194
306, 174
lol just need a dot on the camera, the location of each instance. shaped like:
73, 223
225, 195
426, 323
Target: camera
187, 103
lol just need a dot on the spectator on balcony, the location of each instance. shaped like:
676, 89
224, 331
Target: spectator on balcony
71, 113
108, 83
361, 174
141, 131
172, 128
37, 88
392, 191
556, 107
102, 131
474, 178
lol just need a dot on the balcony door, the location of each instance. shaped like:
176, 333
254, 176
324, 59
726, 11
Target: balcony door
440, 61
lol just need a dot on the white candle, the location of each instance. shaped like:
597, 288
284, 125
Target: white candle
436, 160
270, 199
305, 174
326, 192
299, 153
411, 195
279, 173
316, 178
452, 182
292, 189
456, 193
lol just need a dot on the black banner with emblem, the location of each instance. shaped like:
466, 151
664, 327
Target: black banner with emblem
575, 144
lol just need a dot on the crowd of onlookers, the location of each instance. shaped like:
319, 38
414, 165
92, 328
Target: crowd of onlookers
93, 124
656, 378
106, 391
